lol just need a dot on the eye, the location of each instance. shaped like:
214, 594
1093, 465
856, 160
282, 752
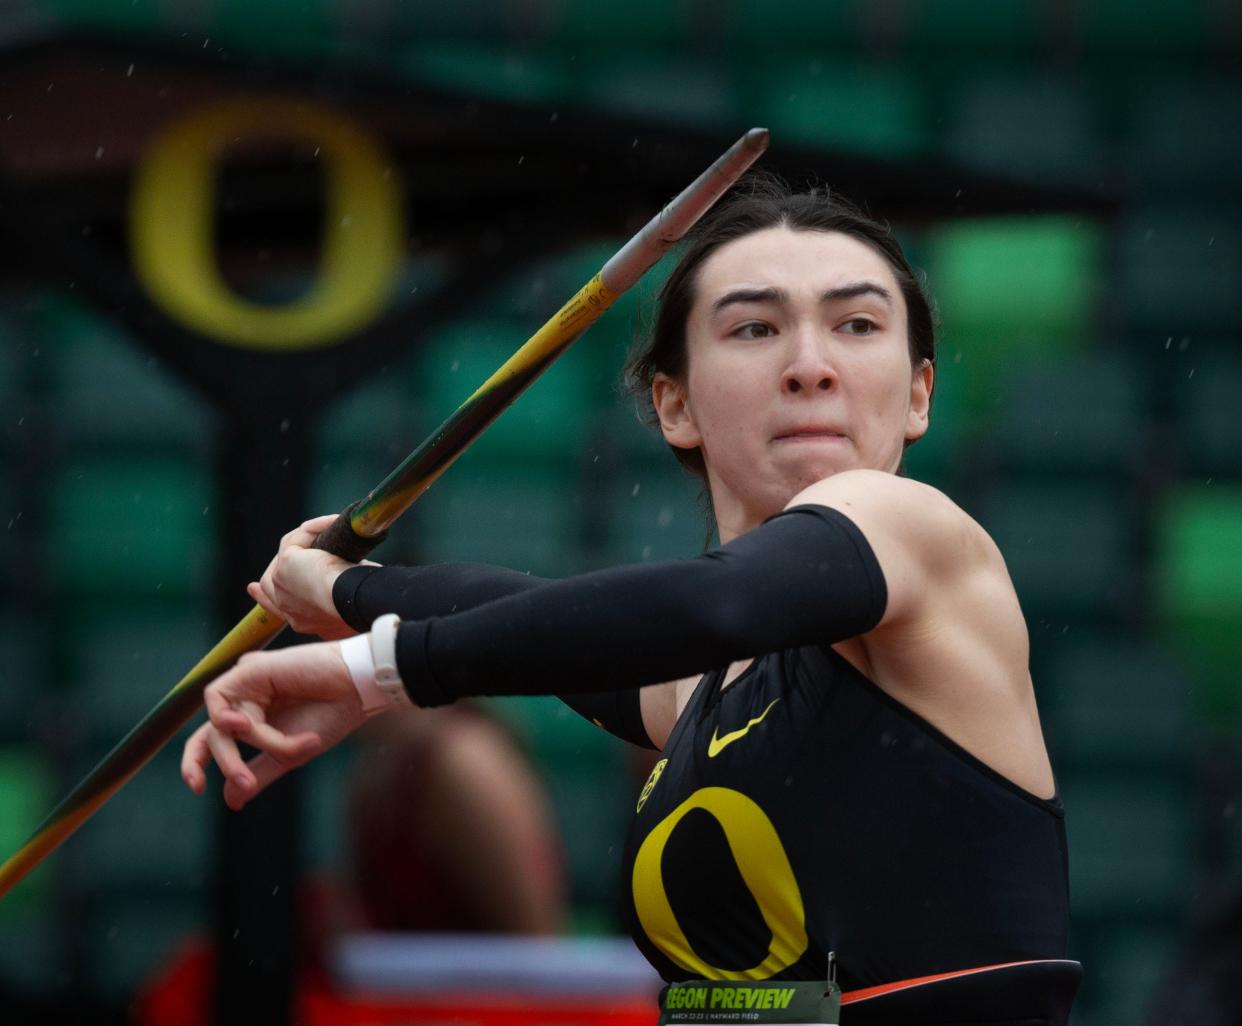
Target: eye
859, 326
753, 329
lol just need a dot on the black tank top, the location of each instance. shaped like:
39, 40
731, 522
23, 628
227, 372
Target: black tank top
802, 810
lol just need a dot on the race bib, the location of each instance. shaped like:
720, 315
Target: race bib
725, 1003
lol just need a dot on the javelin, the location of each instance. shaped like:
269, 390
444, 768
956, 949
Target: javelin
363, 524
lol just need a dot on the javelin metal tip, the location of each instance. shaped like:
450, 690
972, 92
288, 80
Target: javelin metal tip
757, 139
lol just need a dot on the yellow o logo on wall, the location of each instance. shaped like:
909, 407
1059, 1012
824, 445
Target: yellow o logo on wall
172, 227
764, 867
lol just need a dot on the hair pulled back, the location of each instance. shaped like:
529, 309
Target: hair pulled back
760, 201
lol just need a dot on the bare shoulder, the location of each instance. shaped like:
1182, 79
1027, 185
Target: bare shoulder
918, 533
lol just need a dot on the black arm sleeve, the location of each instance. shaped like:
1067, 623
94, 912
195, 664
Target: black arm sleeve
362, 593
807, 576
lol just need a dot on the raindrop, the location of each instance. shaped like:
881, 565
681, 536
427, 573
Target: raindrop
129, 72
635, 491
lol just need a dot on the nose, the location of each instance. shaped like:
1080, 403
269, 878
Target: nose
809, 367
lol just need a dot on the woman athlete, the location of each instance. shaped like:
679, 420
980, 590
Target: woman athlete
852, 759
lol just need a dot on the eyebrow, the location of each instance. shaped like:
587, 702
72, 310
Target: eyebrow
774, 295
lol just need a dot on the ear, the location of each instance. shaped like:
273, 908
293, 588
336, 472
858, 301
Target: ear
668, 396
921, 384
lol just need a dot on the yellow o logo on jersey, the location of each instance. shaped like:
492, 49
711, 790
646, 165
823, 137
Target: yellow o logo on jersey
764, 866
171, 223
649, 786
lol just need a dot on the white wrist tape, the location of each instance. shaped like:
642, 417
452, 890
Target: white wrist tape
356, 652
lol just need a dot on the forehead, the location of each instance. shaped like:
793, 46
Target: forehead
793, 260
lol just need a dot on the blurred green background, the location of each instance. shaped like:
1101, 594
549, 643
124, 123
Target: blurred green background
1087, 404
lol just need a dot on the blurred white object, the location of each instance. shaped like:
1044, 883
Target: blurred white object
404, 963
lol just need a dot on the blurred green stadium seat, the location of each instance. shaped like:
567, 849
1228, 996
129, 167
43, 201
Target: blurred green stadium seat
858, 108
132, 938
1115, 700
1207, 411
153, 837
1081, 412
533, 294
1130, 844
13, 341
999, 26
364, 437
294, 27
1146, 27
22, 655
589, 784
128, 655
1198, 567
1179, 270
832, 26
525, 517
1069, 547
654, 514
10, 505
991, 128
380, 416
139, 525
107, 390
1032, 278
1130, 962
27, 792
1009, 290
696, 94
1187, 136
542, 424
609, 28
29, 957
486, 69
323, 783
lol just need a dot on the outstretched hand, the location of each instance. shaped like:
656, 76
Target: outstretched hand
297, 584
290, 704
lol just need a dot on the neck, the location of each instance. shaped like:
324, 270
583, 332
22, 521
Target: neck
733, 517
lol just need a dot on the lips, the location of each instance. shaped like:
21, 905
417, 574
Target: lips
809, 431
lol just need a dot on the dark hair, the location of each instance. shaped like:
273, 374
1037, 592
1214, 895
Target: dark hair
759, 201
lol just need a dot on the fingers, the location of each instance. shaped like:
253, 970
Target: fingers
228, 758
194, 758
285, 748
265, 770
243, 781
317, 525
289, 704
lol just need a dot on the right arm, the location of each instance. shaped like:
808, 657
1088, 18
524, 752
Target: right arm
319, 593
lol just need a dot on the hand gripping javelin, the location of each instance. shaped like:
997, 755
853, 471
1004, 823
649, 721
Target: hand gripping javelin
363, 524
